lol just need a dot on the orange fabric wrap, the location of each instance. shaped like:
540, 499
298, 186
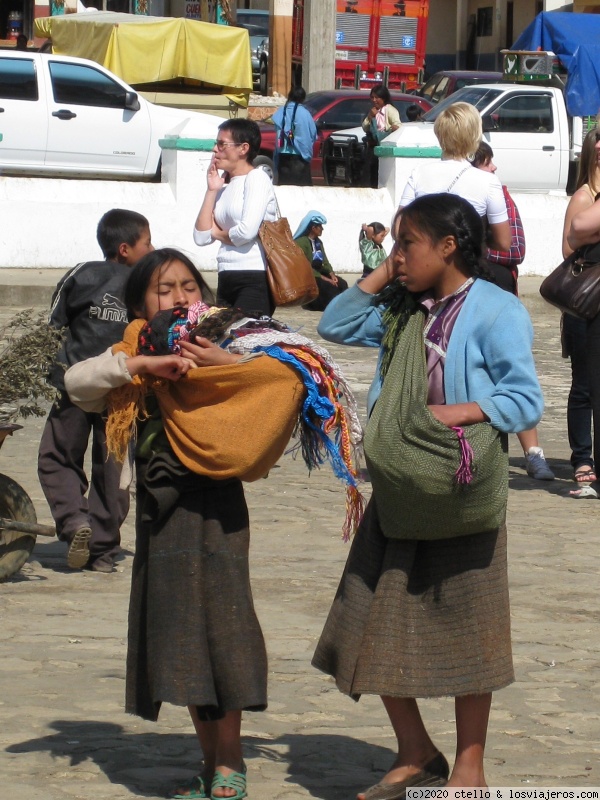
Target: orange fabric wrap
227, 421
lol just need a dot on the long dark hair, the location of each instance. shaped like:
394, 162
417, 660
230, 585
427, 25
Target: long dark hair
588, 162
379, 90
141, 276
440, 215
435, 216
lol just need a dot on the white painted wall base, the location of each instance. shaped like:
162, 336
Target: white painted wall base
48, 222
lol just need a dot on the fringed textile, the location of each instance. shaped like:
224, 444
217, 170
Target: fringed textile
327, 421
126, 404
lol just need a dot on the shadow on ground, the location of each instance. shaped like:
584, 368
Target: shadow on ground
150, 764
520, 481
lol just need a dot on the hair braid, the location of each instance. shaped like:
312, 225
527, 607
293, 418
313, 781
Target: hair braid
471, 250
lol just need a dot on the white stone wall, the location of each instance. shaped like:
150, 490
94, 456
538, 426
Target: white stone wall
52, 223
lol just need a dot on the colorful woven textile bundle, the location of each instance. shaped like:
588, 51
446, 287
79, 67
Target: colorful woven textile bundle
328, 425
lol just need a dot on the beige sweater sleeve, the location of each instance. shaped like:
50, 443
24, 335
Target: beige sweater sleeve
88, 382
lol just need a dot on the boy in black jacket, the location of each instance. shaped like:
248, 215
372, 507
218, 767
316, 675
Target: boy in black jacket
88, 302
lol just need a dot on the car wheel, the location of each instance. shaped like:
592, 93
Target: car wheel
267, 164
262, 77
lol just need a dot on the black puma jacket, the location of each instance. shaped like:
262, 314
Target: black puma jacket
88, 303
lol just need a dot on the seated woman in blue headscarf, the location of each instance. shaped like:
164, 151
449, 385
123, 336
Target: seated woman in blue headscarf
308, 238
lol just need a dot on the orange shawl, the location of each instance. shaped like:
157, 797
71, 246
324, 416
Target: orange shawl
224, 421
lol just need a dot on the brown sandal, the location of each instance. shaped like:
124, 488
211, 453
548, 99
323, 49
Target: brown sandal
434, 773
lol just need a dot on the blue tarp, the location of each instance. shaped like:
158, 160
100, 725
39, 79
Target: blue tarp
575, 38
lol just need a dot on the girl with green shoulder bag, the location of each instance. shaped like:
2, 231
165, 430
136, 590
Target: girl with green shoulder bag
422, 609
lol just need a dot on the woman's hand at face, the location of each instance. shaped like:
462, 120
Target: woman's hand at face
204, 353
214, 181
382, 276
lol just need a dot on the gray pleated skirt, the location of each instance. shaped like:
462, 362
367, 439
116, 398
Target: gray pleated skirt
194, 637
419, 618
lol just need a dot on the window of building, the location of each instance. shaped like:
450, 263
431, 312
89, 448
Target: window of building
485, 21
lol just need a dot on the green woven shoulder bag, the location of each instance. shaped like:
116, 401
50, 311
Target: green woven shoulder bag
430, 481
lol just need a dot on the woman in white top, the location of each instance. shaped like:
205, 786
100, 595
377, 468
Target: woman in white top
238, 198
458, 129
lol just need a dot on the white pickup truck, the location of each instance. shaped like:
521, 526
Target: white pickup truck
536, 144
66, 116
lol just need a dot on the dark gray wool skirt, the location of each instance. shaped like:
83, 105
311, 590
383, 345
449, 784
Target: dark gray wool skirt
194, 638
419, 618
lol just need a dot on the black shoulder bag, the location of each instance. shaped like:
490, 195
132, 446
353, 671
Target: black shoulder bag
574, 286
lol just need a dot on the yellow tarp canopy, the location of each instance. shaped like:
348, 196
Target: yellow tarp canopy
141, 49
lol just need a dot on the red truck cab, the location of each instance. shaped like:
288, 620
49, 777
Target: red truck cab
377, 41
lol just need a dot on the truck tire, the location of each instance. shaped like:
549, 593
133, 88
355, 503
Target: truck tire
266, 163
15, 547
572, 177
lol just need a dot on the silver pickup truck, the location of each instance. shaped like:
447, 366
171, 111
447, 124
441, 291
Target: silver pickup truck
536, 145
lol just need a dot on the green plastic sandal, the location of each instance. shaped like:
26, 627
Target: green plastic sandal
195, 789
236, 781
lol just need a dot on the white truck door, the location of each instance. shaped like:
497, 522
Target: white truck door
525, 136
89, 128
23, 117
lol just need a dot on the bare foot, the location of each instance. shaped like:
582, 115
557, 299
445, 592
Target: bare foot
467, 778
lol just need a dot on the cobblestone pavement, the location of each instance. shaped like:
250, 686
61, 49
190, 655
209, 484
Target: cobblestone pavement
63, 732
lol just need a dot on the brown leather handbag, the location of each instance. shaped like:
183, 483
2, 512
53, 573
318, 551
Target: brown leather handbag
290, 276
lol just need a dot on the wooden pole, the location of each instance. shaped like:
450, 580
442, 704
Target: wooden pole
279, 76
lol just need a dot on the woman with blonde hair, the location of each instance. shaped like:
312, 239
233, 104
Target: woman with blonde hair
458, 129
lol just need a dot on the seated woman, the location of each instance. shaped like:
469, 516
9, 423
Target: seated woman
308, 238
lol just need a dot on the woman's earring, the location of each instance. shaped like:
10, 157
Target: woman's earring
471, 157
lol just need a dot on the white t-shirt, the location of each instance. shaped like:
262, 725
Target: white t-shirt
241, 207
482, 189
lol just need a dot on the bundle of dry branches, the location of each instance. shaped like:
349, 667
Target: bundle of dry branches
28, 347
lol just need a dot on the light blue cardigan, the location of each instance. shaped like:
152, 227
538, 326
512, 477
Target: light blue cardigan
489, 359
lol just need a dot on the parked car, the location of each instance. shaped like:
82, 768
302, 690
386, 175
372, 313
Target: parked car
257, 24
263, 66
445, 83
61, 115
526, 125
332, 111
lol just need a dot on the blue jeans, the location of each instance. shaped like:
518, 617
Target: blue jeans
579, 403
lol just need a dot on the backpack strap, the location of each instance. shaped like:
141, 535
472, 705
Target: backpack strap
282, 134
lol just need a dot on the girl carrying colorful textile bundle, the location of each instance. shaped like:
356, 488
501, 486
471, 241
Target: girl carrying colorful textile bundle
194, 638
